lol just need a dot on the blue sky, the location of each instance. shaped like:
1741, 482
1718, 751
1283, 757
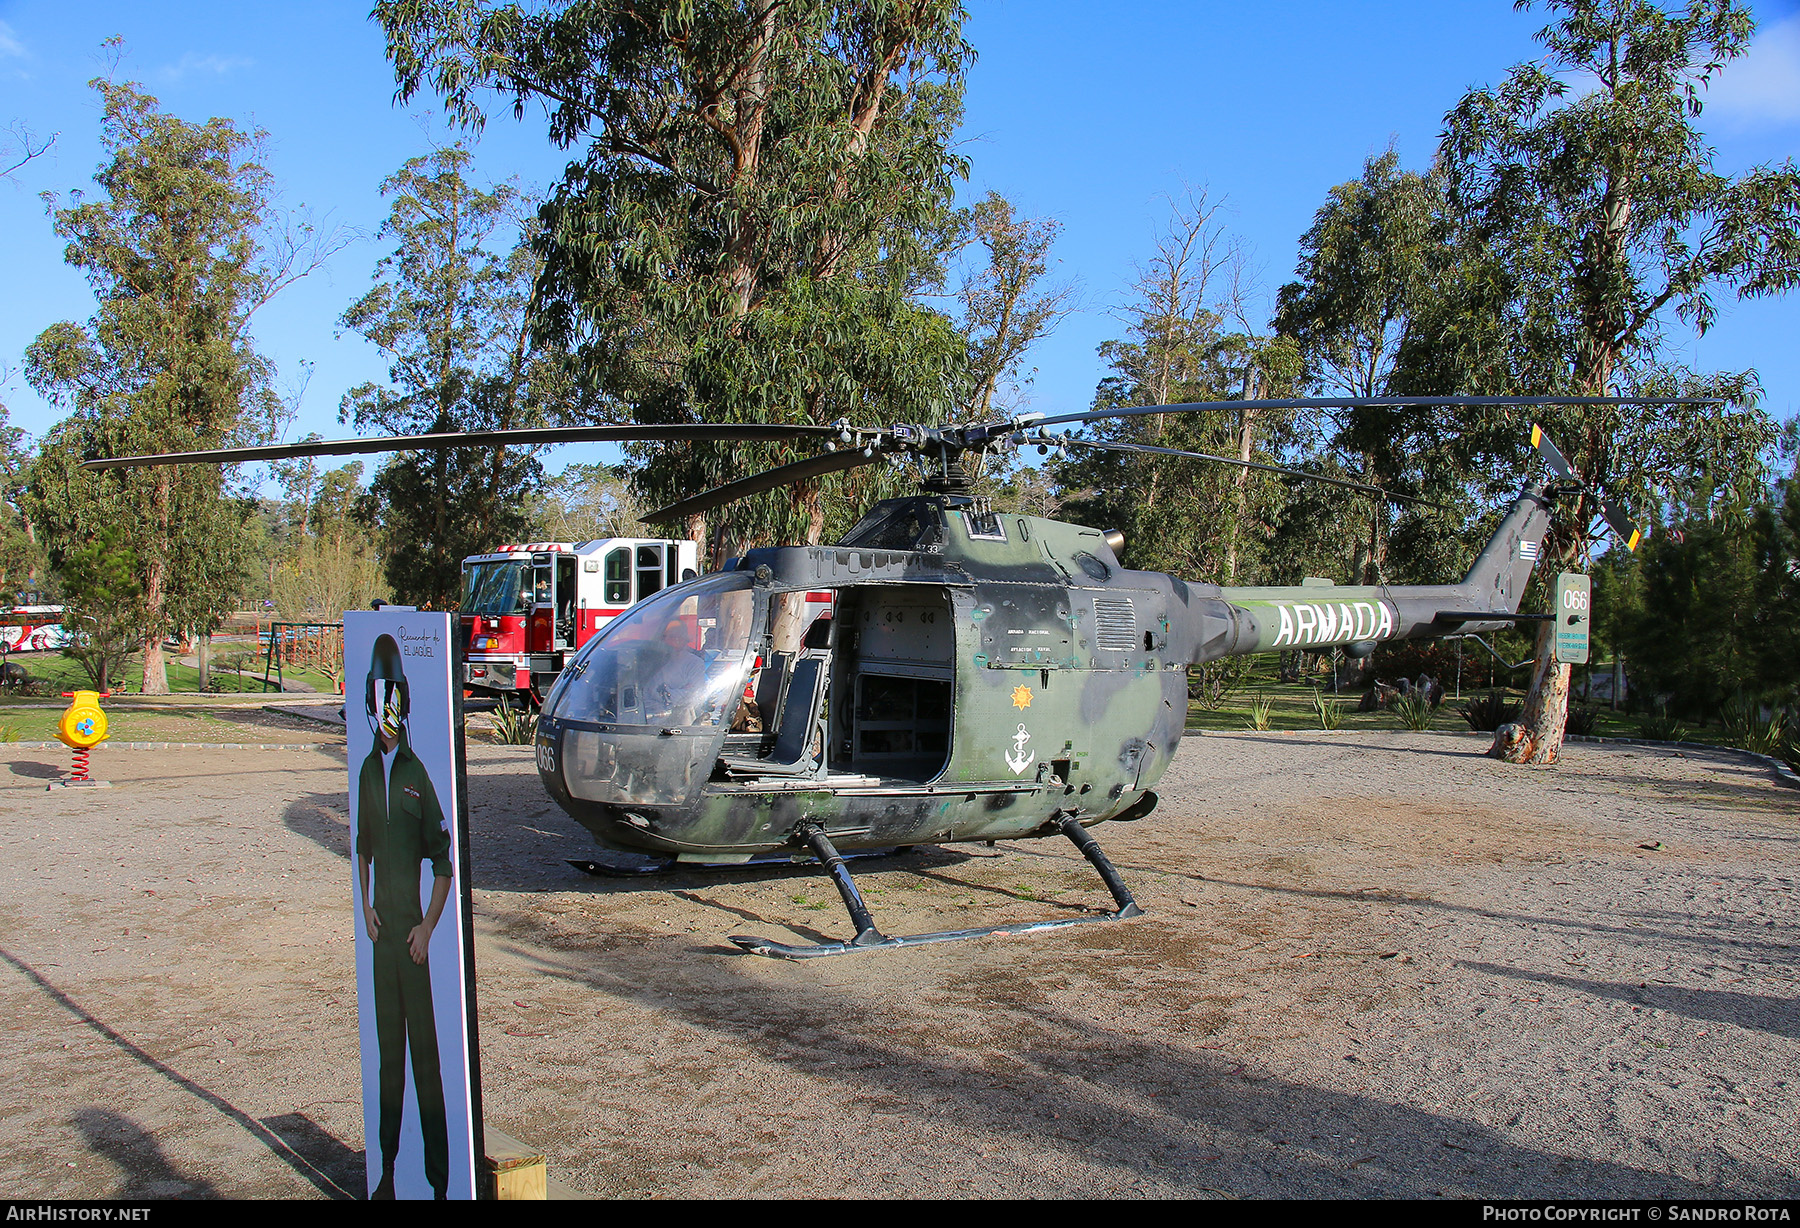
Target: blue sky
1093, 115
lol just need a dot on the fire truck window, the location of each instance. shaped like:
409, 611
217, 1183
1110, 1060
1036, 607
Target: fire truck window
495, 588
618, 577
649, 569
565, 590
669, 569
540, 593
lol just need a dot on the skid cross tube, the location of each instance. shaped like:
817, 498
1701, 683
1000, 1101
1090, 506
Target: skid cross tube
1090, 849
822, 848
870, 938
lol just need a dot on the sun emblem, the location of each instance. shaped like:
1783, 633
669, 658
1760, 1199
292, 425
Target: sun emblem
1021, 697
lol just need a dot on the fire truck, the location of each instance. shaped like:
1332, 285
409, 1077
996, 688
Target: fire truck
527, 608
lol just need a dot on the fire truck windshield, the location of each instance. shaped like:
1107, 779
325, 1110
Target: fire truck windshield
498, 587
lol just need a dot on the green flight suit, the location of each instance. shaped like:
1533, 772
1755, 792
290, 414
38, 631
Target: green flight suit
396, 828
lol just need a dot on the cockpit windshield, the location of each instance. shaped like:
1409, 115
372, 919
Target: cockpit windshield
497, 587
677, 659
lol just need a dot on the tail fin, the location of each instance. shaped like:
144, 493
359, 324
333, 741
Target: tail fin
1498, 577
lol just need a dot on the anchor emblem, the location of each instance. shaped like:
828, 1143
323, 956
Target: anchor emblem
1018, 760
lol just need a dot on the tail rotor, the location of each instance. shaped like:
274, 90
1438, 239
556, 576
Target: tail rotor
1628, 534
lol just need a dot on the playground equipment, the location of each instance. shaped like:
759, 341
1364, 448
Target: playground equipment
82, 727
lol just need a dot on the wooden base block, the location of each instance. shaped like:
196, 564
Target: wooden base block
513, 1171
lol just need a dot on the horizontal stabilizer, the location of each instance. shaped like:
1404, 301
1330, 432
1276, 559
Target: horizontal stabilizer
1489, 616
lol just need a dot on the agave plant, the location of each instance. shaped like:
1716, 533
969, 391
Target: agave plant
1582, 721
1486, 713
514, 726
1330, 713
1746, 726
1414, 710
1260, 709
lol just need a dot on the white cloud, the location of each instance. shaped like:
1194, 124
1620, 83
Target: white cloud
192, 63
9, 42
1763, 87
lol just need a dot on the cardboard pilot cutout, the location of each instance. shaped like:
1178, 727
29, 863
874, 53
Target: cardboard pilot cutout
420, 1091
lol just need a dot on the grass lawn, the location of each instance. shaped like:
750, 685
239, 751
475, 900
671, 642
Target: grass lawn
1291, 707
57, 673
127, 725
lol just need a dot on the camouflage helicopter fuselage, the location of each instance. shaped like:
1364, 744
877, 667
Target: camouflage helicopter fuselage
984, 676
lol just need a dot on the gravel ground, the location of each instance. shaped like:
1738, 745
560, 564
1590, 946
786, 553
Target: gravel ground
1374, 965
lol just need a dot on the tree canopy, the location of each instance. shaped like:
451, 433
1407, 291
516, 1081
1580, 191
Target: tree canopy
180, 249
449, 311
759, 191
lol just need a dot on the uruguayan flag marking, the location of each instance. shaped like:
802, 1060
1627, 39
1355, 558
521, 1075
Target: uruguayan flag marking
1528, 550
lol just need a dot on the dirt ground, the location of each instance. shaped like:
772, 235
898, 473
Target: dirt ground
1373, 965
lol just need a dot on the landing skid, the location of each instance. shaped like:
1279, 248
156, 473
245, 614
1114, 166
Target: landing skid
869, 938
634, 865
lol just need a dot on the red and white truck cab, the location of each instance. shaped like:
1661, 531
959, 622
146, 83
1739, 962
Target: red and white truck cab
526, 608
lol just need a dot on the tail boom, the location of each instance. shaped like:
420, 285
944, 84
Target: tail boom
1320, 614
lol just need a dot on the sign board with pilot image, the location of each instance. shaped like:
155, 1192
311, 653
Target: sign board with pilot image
415, 967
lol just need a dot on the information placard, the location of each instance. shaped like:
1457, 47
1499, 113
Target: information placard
1574, 617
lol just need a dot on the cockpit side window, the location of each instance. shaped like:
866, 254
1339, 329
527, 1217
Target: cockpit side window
677, 659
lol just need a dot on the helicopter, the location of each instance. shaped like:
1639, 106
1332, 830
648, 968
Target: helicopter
983, 675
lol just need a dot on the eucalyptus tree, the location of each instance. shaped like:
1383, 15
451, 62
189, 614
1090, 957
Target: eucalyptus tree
181, 247
449, 310
584, 502
22, 562
758, 191
1195, 518
1603, 227
1777, 541
1371, 276
1006, 306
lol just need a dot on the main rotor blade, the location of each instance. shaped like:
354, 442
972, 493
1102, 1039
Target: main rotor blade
756, 483
1191, 407
1363, 487
521, 437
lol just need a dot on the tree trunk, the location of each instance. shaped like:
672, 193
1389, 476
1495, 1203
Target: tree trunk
1546, 713
156, 673
789, 623
1246, 436
204, 645
156, 670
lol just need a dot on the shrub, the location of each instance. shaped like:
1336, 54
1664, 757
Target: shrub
1211, 684
1660, 726
1486, 713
